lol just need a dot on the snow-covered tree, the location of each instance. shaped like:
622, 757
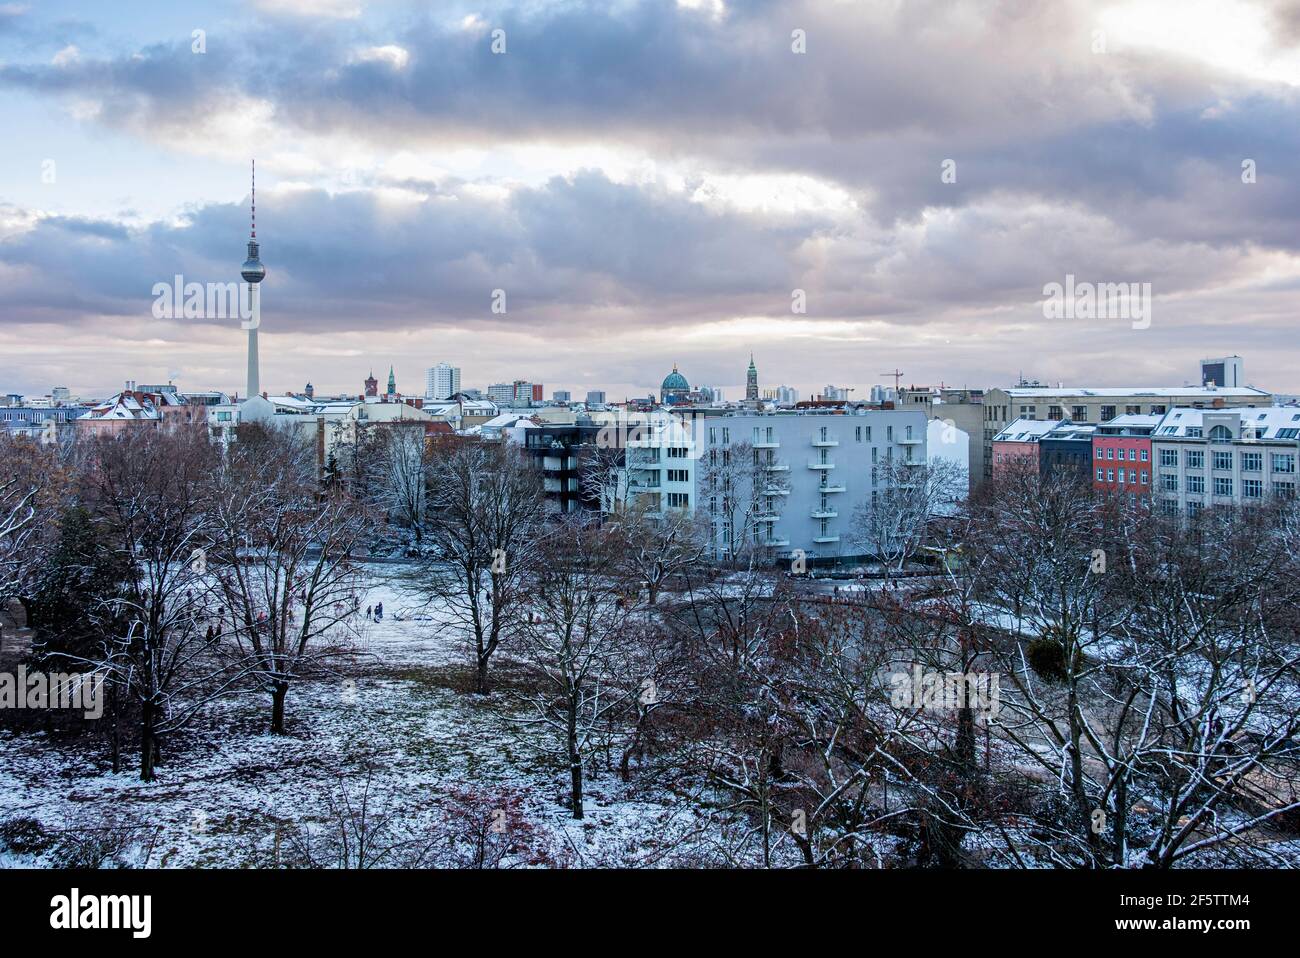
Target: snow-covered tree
280, 561
486, 516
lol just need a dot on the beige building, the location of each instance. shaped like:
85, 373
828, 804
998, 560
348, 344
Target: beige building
1088, 405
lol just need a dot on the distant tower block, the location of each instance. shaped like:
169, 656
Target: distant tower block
1228, 372
253, 273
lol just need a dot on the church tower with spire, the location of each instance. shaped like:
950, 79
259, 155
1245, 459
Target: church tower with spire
372, 384
392, 384
751, 381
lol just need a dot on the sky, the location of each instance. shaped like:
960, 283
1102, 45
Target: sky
841, 188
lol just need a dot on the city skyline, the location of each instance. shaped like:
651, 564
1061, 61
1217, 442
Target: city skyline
917, 220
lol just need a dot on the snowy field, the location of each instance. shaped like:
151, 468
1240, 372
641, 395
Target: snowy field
401, 714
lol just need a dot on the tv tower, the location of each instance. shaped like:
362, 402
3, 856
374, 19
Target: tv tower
253, 272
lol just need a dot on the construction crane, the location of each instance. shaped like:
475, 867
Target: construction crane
898, 377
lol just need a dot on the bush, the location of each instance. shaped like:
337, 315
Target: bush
1047, 658
25, 836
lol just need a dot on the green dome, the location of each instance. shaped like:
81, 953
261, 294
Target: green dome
676, 381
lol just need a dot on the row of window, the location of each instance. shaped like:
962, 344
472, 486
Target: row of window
1250, 461
1108, 475
1109, 453
1223, 486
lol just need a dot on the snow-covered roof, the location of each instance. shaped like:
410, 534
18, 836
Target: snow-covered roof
1263, 422
1156, 392
1028, 430
124, 406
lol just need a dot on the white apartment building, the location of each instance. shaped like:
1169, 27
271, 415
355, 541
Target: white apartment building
1240, 456
816, 468
441, 381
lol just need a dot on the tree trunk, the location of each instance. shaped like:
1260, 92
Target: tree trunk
575, 763
147, 744
278, 692
481, 675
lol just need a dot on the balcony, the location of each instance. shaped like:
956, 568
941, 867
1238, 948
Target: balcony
821, 465
831, 487
825, 513
770, 491
910, 442
767, 517
638, 484
824, 443
766, 444
778, 467
772, 543
825, 539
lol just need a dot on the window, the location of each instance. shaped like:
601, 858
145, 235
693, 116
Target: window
679, 475
1193, 432
1132, 455
1196, 484
1133, 410
678, 500
1055, 412
868, 434
1110, 475
1169, 483
1252, 489
1284, 490
1145, 455
1079, 413
713, 436
1101, 454
1283, 462
1132, 475
857, 433
223, 417
1169, 507
1288, 433
1195, 459
1252, 461
1222, 485
1101, 475
1169, 457
1145, 478
889, 434
1193, 507
677, 452
1223, 460
1220, 434
1107, 413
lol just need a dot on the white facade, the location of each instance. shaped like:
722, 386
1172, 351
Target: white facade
819, 468
441, 381
1244, 456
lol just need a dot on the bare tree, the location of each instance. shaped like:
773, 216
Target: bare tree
280, 562
576, 638
906, 496
657, 549
743, 491
402, 487
149, 493
486, 516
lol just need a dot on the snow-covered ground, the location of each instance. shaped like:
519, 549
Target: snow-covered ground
402, 713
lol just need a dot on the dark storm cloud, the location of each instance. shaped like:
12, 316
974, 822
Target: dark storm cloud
336, 260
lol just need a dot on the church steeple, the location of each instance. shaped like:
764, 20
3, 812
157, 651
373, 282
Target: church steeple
392, 382
751, 380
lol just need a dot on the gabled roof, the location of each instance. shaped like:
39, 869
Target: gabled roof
1028, 430
1263, 422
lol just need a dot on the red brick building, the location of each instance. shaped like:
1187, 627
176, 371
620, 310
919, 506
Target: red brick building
1121, 455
